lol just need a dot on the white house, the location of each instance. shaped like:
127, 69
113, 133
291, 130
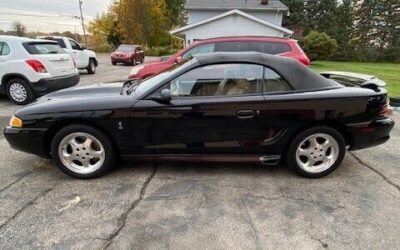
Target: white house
219, 18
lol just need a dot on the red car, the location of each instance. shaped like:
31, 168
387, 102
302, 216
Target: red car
269, 45
128, 54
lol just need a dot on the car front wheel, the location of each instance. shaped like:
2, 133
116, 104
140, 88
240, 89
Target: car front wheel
19, 91
82, 151
316, 152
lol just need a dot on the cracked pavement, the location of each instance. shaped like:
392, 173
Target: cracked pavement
201, 206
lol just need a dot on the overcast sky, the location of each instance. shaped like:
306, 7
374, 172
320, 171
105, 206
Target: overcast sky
49, 15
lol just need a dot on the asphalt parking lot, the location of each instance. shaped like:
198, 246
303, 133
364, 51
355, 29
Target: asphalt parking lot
199, 206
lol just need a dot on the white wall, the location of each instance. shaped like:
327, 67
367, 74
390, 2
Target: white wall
232, 25
274, 17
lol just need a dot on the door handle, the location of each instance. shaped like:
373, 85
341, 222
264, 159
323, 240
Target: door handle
245, 114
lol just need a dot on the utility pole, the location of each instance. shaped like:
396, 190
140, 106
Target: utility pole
83, 22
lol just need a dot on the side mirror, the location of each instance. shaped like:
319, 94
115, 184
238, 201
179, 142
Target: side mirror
178, 59
83, 47
164, 98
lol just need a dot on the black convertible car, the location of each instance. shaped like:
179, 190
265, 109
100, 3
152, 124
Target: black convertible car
214, 107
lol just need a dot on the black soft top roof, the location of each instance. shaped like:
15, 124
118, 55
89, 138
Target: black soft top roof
298, 75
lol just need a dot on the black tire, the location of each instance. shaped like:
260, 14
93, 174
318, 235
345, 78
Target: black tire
133, 63
21, 83
91, 68
291, 153
109, 149
114, 63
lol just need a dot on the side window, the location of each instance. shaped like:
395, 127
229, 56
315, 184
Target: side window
274, 82
232, 47
4, 49
61, 43
272, 48
201, 49
219, 79
74, 45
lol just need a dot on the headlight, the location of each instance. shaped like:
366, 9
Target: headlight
15, 122
135, 70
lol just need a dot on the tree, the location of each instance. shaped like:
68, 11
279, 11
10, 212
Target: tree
141, 21
19, 28
320, 16
319, 46
376, 25
104, 29
343, 23
297, 14
176, 14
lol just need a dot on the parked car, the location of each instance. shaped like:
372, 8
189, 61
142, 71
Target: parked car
217, 107
85, 59
128, 54
31, 68
351, 79
269, 45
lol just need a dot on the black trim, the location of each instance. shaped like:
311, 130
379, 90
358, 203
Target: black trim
47, 85
380, 133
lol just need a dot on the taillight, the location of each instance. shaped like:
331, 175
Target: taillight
383, 112
36, 65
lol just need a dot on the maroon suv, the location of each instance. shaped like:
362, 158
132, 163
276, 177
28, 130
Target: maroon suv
128, 54
269, 45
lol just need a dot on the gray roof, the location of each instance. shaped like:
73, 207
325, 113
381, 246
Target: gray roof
234, 4
298, 75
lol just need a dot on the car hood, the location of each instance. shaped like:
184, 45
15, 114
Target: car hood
89, 91
354, 79
121, 53
90, 53
87, 98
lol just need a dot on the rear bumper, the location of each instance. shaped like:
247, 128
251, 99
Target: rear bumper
371, 134
27, 140
47, 85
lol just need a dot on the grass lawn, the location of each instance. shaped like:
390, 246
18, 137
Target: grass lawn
389, 72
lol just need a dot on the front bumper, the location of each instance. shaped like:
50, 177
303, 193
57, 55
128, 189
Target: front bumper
371, 134
47, 85
121, 59
31, 141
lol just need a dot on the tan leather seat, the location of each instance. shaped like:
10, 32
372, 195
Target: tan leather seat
241, 87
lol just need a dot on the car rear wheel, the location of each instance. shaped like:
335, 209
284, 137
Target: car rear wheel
19, 91
316, 152
91, 68
83, 152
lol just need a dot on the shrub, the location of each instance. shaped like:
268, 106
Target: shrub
319, 46
160, 51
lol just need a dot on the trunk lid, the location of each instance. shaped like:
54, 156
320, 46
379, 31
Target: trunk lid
56, 61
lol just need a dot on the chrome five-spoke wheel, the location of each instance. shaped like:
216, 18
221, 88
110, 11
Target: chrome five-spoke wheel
317, 153
81, 153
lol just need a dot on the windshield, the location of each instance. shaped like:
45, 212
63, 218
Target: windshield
126, 48
152, 81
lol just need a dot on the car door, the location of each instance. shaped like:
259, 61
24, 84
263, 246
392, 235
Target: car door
78, 54
4, 54
214, 109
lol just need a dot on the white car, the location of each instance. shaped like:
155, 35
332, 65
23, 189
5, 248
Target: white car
84, 58
31, 68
